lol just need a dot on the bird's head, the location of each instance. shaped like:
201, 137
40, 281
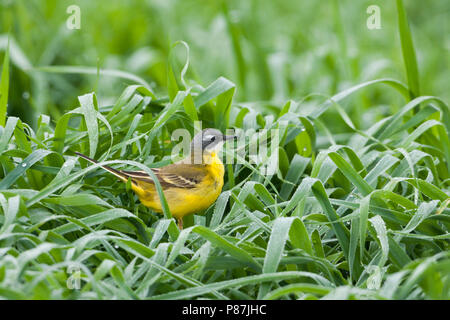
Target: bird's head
209, 140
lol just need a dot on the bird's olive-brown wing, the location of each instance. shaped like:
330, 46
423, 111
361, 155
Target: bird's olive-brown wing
172, 176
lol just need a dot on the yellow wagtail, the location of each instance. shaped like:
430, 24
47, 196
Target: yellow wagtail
188, 186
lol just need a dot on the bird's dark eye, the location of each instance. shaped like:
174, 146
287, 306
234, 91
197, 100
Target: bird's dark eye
213, 138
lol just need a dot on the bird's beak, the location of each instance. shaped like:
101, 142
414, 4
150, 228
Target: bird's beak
233, 137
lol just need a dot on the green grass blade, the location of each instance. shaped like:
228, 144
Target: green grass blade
409, 54
4, 87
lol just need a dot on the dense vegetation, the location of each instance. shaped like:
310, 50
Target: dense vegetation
358, 207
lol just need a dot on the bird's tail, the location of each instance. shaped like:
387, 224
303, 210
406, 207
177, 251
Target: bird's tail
122, 176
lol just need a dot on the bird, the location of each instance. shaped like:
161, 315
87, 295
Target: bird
190, 185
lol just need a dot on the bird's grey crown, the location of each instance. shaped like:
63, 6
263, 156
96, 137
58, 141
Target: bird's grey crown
207, 139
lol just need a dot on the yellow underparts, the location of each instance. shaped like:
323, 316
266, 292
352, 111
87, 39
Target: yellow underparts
184, 201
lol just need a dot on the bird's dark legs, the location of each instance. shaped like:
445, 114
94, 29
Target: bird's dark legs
180, 223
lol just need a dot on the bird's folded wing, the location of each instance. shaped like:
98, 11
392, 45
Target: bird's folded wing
174, 175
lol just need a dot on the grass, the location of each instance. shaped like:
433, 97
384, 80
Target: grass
358, 207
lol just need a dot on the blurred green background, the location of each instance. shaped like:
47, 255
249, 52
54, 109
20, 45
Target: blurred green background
272, 50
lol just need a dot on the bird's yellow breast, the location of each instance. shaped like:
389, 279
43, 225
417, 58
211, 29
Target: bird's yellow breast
184, 201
